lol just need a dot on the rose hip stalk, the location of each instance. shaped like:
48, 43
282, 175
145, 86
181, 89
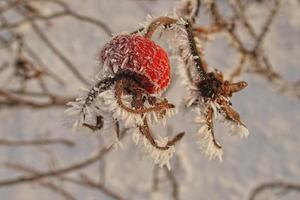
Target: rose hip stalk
135, 72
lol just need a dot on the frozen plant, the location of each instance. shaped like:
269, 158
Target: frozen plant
134, 73
35, 50
208, 93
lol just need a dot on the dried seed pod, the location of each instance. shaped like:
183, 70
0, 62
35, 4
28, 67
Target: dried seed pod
208, 91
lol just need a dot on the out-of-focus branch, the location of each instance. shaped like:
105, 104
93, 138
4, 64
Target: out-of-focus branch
57, 189
259, 62
11, 100
3, 66
83, 181
30, 14
87, 181
64, 170
41, 64
267, 25
66, 12
286, 187
73, 167
175, 186
155, 180
36, 142
58, 53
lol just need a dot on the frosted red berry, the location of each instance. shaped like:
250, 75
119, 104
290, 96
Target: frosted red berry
142, 57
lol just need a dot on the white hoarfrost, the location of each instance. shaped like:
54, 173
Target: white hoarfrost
160, 157
205, 137
178, 39
79, 112
119, 113
236, 128
129, 118
207, 143
105, 104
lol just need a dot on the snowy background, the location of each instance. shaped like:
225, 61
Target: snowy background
270, 153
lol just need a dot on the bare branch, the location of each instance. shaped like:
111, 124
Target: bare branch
84, 181
72, 167
37, 142
175, 186
286, 186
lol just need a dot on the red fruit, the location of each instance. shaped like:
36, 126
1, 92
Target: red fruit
147, 61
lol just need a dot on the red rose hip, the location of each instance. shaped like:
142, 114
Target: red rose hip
140, 57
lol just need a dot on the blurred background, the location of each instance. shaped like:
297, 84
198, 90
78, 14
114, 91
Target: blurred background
49, 49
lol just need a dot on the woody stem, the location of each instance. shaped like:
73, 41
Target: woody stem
98, 88
165, 21
120, 88
145, 130
210, 125
200, 66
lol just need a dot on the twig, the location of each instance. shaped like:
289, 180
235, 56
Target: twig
58, 53
89, 182
266, 27
73, 167
41, 64
175, 186
287, 186
37, 142
67, 12
12, 100
46, 184
155, 179
4, 66
84, 181
57, 189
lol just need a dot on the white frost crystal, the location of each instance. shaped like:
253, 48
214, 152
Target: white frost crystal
160, 157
